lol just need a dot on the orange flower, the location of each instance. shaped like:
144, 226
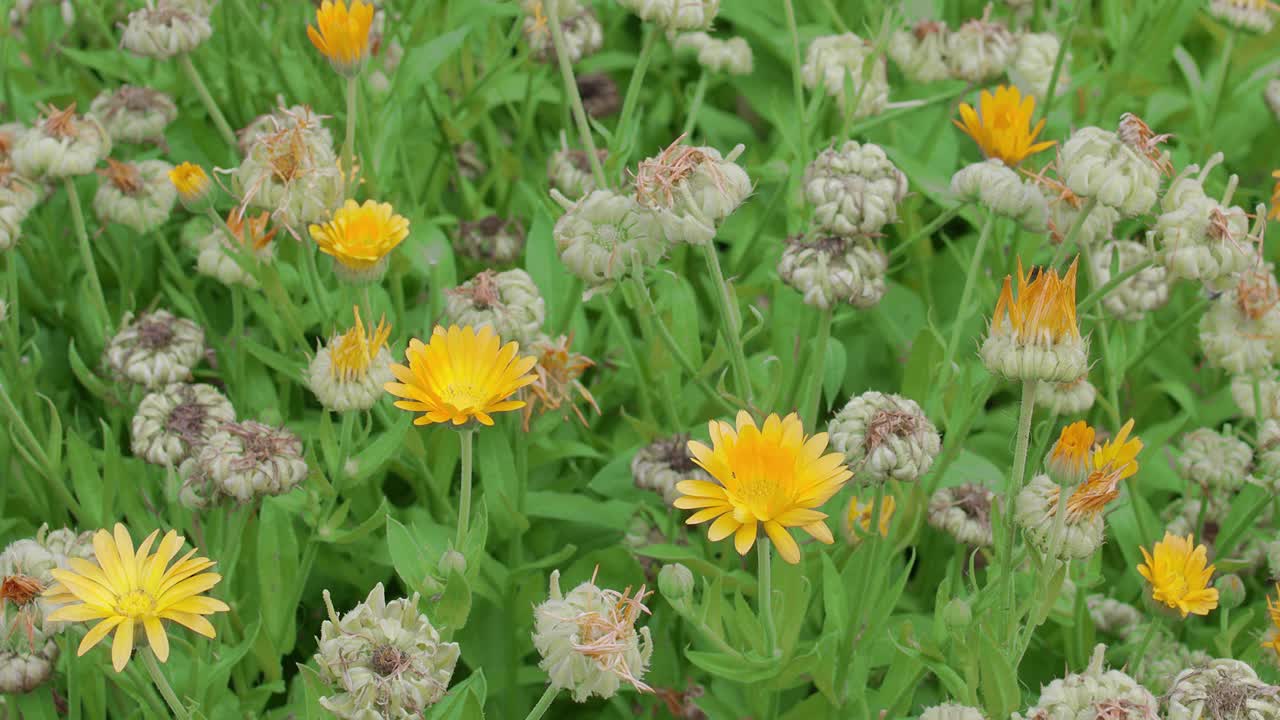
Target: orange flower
1002, 125
343, 34
1042, 311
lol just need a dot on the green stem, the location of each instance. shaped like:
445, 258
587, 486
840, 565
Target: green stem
1215, 97
193, 77
464, 503
927, 231
797, 83
729, 322
632, 96
349, 144
86, 253
633, 356
575, 99
813, 399
962, 312
157, 677
764, 592
1063, 43
1076, 226
1140, 654
545, 701
1025, 412
699, 93
1099, 294
673, 346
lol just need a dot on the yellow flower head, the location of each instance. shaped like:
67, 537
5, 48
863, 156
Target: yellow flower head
1042, 312
462, 374
770, 476
1069, 457
1274, 213
1179, 574
859, 515
1120, 453
192, 182
1273, 635
359, 237
1094, 494
126, 588
353, 352
343, 34
1002, 125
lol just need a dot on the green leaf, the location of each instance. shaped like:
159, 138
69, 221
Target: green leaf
407, 556
278, 562
579, 509
999, 690
420, 62
747, 668
454, 606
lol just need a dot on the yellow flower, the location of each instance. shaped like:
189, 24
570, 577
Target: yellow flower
1179, 575
1274, 214
1273, 635
1120, 452
772, 476
359, 237
343, 35
1069, 458
1042, 311
1002, 125
353, 351
191, 181
860, 515
462, 374
127, 588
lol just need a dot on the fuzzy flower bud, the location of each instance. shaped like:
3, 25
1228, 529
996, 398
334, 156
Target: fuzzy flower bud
509, 302
134, 114
661, 464
588, 640
855, 189
1079, 536
583, 35
1214, 460
1200, 238
952, 711
732, 56
1223, 688
1240, 332
675, 581
173, 422
884, 437
1231, 591
1067, 399
246, 460
155, 349
980, 50
1096, 163
964, 513
831, 270
1242, 387
61, 145
1033, 61
998, 187
1140, 294
24, 668
165, 30
675, 15
136, 195
1252, 15
691, 189
603, 234
921, 53
836, 63
1112, 616
491, 240
1092, 693
385, 659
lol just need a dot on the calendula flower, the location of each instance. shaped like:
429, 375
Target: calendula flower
165, 30
137, 195
1273, 611
1000, 189
360, 238
290, 169
192, 182
884, 437
1034, 334
461, 375
1215, 460
1074, 537
1002, 125
964, 512
1178, 572
134, 114
920, 53
559, 384
1119, 453
509, 302
830, 270
980, 49
1033, 63
854, 189
849, 69
1112, 616
173, 422
1069, 461
126, 588
341, 34
858, 518
771, 476
348, 373
1140, 294
63, 144
154, 349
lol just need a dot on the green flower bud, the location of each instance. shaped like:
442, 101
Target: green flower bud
452, 561
957, 614
1230, 591
675, 582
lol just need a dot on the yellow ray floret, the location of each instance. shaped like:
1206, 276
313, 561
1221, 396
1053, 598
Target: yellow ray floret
342, 34
360, 236
353, 351
126, 588
191, 181
461, 375
1002, 125
770, 476
1042, 311
1272, 639
1179, 574
1120, 453
1072, 450
859, 514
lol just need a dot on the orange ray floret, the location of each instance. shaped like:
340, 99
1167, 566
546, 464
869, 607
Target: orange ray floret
1043, 310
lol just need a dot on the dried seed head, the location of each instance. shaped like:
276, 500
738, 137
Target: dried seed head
1138, 135
124, 176
19, 589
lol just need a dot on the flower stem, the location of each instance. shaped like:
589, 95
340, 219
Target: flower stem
926, 231
1140, 654
170, 697
629, 101
962, 311
193, 77
86, 254
633, 356
699, 92
575, 98
813, 399
464, 502
1025, 412
797, 83
729, 318
764, 590
349, 144
673, 346
544, 702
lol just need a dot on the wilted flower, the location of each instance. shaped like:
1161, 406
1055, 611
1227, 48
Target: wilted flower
832, 270
1001, 126
998, 188
509, 302
386, 659
134, 114
980, 50
836, 63
858, 518
24, 666
1178, 572
1240, 332
1065, 208
921, 52
342, 34
220, 256
854, 189
1096, 163
603, 235
1119, 453
582, 33
675, 15
884, 437
164, 30
663, 464
297, 117
1034, 334
461, 375
27, 645
491, 240
1200, 238
1033, 61
559, 371
292, 172
61, 145
1214, 460
732, 56
1069, 398
1224, 688
1253, 15
588, 640
1242, 391
243, 460
569, 171
1096, 692
1070, 460
173, 422
349, 372
964, 513
136, 195
690, 189
155, 349
1074, 537
770, 476
1141, 293
360, 238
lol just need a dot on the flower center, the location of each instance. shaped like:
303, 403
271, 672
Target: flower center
386, 660
135, 604
154, 334
186, 420
462, 395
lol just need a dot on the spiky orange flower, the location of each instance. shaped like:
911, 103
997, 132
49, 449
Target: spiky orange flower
1070, 454
1179, 574
1042, 311
353, 352
1273, 635
1119, 453
770, 476
251, 232
1094, 494
342, 34
1002, 125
